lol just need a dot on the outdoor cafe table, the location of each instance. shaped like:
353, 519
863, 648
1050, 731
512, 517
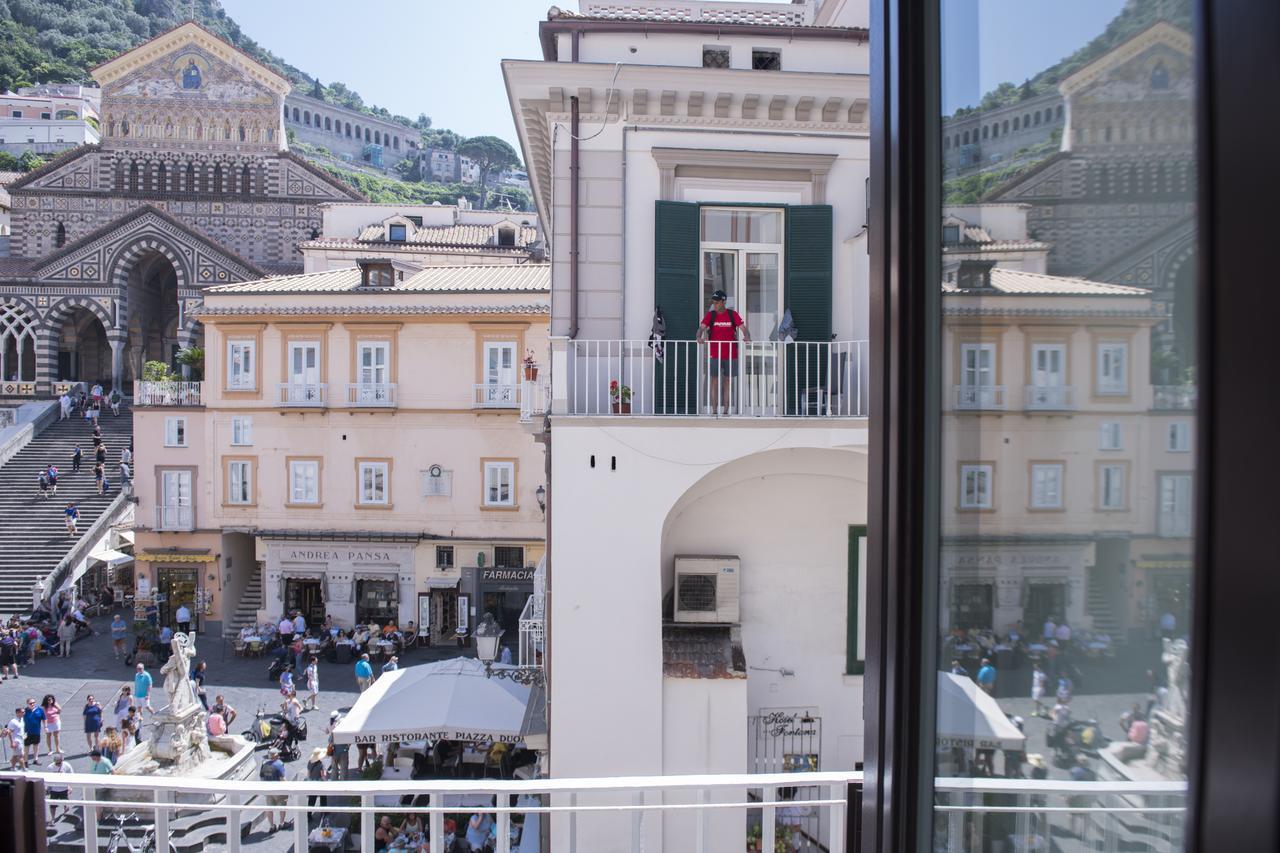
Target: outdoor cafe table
334, 841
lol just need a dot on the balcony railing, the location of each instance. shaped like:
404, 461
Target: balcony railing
535, 400
302, 395
371, 395
710, 813
175, 518
533, 631
979, 397
1050, 398
803, 811
494, 396
1178, 397
767, 379
168, 394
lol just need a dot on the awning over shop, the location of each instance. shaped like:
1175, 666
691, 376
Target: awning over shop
442, 583
162, 557
447, 700
111, 557
969, 718
124, 536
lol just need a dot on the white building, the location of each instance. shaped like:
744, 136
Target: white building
47, 120
674, 149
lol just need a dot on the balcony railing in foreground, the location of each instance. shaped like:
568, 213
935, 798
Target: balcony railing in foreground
175, 517
757, 379
301, 395
807, 811
167, 394
371, 395
1042, 815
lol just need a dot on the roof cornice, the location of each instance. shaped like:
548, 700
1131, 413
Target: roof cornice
548, 30
189, 33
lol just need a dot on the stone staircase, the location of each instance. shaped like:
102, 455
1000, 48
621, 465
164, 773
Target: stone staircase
1098, 606
33, 534
246, 612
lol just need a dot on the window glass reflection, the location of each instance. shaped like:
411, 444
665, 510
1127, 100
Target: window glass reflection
1068, 411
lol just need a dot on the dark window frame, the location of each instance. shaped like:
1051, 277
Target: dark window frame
444, 557
508, 551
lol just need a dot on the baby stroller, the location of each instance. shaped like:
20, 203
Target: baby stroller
141, 651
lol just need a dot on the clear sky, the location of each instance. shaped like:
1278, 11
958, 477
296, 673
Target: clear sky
440, 57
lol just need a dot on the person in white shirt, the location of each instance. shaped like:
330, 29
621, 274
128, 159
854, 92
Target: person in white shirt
58, 790
183, 617
126, 456
1049, 629
1063, 633
286, 630
14, 732
64, 403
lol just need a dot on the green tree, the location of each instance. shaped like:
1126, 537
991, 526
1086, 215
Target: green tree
490, 154
423, 122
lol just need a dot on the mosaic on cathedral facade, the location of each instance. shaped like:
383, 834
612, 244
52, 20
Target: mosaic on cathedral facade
192, 185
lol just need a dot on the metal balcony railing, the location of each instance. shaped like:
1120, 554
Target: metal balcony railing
175, 518
535, 400
371, 395
1177, 397
533, 631
757, 379
168, 394
300, 395
494, 396
979, 397
1050, 398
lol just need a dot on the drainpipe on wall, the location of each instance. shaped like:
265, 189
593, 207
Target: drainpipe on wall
573, 217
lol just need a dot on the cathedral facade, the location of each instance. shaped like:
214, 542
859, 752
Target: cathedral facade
192, 185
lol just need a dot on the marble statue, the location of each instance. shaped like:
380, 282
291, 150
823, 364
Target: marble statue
1177, 676
177, 674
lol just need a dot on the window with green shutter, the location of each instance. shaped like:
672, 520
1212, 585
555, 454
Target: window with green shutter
855, 637
675, 292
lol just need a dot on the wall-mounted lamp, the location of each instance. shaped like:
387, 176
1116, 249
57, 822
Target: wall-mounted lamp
541, 495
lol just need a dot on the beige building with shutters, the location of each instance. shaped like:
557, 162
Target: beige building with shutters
355, 449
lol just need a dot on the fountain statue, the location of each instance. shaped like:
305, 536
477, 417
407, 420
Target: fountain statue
1164, 755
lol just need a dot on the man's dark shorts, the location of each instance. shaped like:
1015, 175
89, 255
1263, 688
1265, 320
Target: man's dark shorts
57, 795
723, 366
32, 739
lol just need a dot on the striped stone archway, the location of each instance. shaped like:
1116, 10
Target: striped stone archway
121, 266
54, 319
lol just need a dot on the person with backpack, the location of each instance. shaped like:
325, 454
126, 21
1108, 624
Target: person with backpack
42, 483
77, 456
8, 655
272, 770
114, 400
71, 514
52, 472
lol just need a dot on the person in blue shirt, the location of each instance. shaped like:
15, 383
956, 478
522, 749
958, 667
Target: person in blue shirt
987, 676
364, 673
32, 725
142, 689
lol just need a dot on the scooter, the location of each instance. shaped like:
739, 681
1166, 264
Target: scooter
267, 730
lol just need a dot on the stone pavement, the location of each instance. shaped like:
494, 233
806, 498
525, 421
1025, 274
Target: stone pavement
92, 669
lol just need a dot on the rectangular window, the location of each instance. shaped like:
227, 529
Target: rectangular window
175, 432
715, 57
397, 233
1111, 487
1109, 435
1048, 365
1046, 486
373, 483
304, 482
241, 361
508, 557
444, 556
977, 365
175, 511
975, 486
374, 359
1178, 437
239, 482
1175, 505
499, 373
766, 59
499, 483
242, 430
1113, 368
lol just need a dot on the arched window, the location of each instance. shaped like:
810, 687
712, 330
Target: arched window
133, 176
168, 130
377, 138
1015, 122
199, 129
366, 134
986, 132
1160, 76
328, 124
60, 236
124, 127
946, 143
242, 134
1059, 110
295, 114
966, 137
348, 130
1037, 117
357, 131
226, 129
245, 185
395, 142
217, 178
161, 177
191, 178
306, 117
995, 130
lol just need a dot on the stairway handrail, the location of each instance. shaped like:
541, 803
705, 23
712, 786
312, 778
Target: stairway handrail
83, 545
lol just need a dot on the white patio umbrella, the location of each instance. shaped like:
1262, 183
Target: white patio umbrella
446, 700
969, 718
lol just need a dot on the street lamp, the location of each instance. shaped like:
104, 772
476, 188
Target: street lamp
487, 635
541, 495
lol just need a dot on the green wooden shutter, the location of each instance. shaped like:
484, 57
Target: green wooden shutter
808, 297
854, 663
676, 292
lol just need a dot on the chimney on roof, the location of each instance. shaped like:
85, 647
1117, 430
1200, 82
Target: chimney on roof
974, 275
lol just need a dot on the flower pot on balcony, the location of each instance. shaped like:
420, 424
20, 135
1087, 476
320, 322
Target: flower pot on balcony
622, 408
531, 373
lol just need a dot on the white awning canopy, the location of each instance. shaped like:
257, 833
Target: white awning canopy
447, 700
442, 583
111, 557
969, 718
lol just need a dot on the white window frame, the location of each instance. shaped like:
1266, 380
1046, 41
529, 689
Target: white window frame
239, 482
979, 347
175, 431
983, 475
1177, 437
298, 468
376, 471
1109, 436
242, 364
373, 368
1046, 485
1111, 487
242, 431
1043, 378
493, 476
1174, 518
1113, 368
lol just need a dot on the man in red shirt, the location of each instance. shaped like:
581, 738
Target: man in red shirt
720, 326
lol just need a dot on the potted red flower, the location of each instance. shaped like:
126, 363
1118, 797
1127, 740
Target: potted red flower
620, 397
530, 367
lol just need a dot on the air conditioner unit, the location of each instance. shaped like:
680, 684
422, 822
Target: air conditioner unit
707, 589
